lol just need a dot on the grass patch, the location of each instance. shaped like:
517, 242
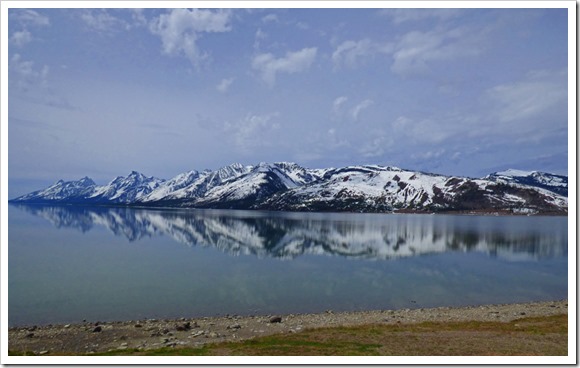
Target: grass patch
301, 345
165, 351
20, 353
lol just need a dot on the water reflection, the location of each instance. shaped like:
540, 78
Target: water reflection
288, 235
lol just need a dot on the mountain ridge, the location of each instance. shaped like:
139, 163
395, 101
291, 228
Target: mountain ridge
286, 186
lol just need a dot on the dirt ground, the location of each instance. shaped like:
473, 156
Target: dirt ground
97, 337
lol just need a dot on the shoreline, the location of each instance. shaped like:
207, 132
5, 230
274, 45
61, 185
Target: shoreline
401, 211
98, 337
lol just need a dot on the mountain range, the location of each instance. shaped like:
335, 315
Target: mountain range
286, 186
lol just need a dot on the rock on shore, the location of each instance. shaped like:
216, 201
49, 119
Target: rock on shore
192, 332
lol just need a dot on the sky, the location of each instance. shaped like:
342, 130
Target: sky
102, 92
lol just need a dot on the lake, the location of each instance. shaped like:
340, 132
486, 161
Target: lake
73, 263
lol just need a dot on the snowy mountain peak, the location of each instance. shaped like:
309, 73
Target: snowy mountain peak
514, 172
233, 169
86, 181
552, 182
135, 174
286, 164
186, 175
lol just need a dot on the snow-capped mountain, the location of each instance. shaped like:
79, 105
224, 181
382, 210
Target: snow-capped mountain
374, 188
290, 187
554, 183
121, 190
234, 186
127, 189
61, 191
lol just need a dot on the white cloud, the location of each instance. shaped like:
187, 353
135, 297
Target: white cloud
249, 132
26, 18
32, 83
293, 62
355, 111
100, 20
303, 26
401, 123
224, 85
258, 37
180, 30
427, 130
416, 49
340, 111
21, 38
270, 18
430, 155
29, 17
538, 92
402, 15
377, 146
354, 53
138, 16
338, 103
25, 75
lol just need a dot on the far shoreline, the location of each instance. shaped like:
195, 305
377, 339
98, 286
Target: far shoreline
490, 213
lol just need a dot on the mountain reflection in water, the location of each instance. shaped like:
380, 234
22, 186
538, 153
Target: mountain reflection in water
288, 235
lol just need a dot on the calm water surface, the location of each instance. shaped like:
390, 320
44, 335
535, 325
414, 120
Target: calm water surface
72, 263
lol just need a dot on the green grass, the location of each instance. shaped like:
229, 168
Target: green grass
20, 353
300, 345
165, 351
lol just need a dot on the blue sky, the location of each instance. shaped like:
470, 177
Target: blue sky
101, 92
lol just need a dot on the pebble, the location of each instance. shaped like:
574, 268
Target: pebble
183, 327
276, 320
98, 329
44, 352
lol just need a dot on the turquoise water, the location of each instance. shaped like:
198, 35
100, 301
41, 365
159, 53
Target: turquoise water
68, 264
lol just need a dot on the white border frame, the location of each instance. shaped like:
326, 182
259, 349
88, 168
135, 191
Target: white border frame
572, 194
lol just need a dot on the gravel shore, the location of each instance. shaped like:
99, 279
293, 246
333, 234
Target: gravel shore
93, 337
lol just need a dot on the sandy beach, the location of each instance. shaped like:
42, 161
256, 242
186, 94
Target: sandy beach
97, 337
